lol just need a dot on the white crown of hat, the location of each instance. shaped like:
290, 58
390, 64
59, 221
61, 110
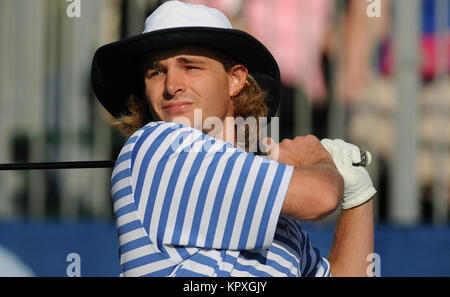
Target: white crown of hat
174, 14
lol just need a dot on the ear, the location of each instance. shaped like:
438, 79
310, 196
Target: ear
237, 75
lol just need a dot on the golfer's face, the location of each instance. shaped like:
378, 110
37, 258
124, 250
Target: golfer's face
177, 82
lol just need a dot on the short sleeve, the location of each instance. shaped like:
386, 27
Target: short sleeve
192, 190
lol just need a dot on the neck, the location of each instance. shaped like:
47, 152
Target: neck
226, 131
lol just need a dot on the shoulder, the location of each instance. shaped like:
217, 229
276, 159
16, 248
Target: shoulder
168, 131
159, 129
175, 138
161, 141
144, 136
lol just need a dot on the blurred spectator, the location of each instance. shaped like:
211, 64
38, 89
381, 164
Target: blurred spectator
360, 34
294, 31
374, 107
429, 40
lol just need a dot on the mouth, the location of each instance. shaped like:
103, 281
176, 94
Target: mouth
177, 107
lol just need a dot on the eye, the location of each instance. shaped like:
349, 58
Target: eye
153, 73
190, 67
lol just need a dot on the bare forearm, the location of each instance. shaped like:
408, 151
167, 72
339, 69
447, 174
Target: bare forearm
316, 186
314, 192
353, 241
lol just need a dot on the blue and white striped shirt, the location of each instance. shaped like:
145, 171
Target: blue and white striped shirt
187, 204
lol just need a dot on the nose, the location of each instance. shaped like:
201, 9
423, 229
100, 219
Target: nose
174, 84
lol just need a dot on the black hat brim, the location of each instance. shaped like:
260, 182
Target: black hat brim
115, 75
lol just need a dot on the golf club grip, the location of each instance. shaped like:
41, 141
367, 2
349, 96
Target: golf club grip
366, 159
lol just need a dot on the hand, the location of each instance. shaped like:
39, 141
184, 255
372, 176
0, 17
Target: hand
301, 151
358, 186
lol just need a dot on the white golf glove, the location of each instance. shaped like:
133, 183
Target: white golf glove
358, 186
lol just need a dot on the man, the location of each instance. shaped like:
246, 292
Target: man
187, 201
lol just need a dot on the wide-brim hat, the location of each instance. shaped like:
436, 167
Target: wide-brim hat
115, 70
